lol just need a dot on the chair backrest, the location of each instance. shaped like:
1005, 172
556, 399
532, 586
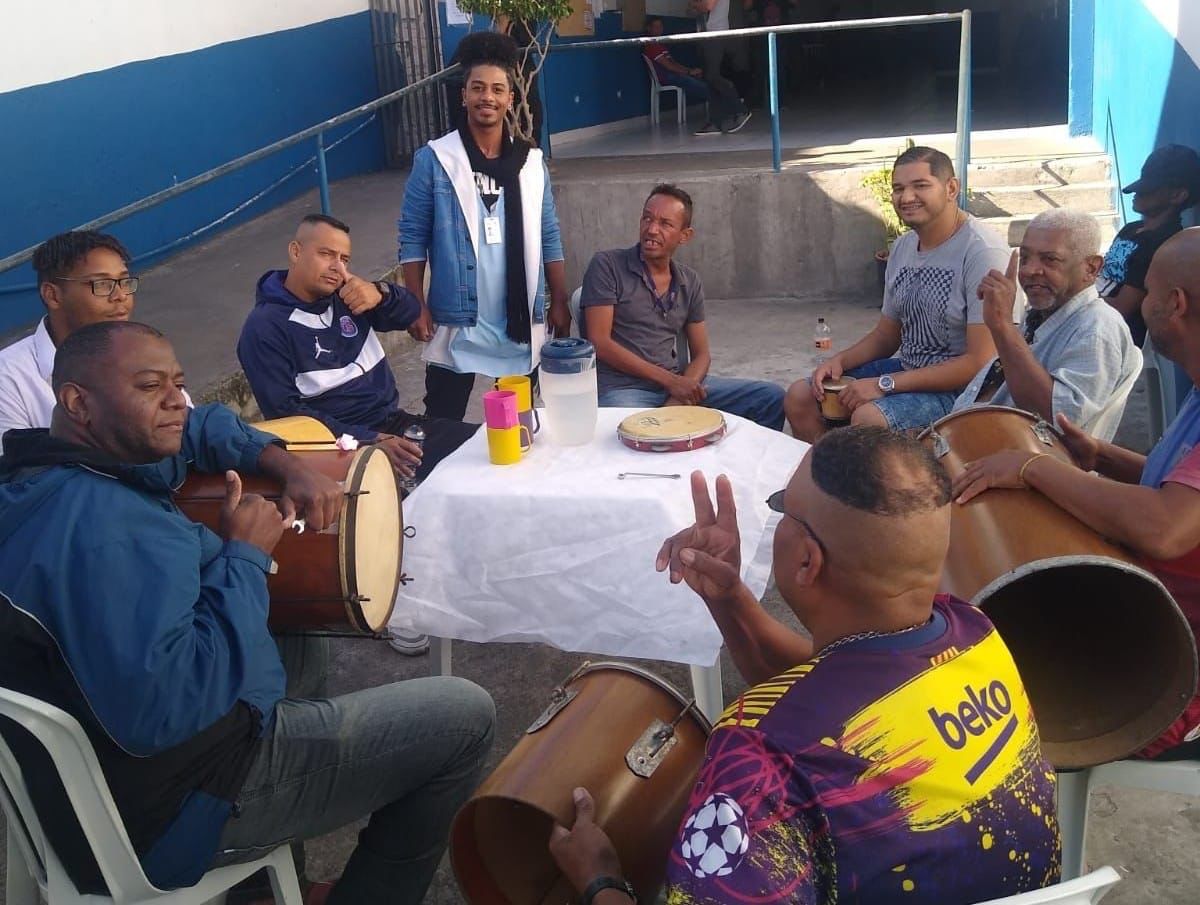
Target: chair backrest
1165, 397
1106, 422
573, 307
75, 761
1086, 890
653, 72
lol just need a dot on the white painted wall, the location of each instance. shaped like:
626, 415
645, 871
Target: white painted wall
49, 40
1181, 20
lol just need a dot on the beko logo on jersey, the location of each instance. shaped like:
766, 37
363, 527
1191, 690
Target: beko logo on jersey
974, 715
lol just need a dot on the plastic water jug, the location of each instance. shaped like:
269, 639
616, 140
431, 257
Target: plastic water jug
568, 386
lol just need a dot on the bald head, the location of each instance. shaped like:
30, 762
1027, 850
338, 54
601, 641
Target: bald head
1175, 262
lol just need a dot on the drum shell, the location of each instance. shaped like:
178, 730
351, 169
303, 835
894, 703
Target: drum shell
498, 843
309, 590
1106, 655
831, 405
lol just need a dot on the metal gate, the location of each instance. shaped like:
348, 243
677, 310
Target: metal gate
408, 47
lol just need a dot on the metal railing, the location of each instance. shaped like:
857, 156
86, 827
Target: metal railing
962, 126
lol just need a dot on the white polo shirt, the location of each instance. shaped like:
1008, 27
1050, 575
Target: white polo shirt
26, 399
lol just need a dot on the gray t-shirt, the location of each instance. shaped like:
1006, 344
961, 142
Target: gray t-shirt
640, 324
932, 294
718, 17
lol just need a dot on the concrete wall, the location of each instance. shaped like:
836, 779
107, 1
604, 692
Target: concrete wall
106, 101
1145, 78
758, 234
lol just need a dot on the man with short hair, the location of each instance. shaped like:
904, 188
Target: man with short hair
308, 347
151, 631
671, 72
83, 277
1075, 356
636, 301
1150, 504
729, 113
892, 756
930, 339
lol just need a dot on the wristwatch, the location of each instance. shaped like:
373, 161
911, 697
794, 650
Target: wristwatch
887, 383
384, 287
600, 883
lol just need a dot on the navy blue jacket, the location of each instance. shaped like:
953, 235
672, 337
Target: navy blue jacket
147, 628
320, 360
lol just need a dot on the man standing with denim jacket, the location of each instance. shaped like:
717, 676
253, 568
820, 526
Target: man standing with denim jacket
478, 208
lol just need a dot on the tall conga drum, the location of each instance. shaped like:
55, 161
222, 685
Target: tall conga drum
622, 733
1105, 653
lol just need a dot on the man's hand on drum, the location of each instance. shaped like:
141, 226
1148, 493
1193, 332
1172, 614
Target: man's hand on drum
860, 392
249, 518
404, 455
1002, 470
1083, 447
583, 852
998, 291
307, 493
684, 390
831, 369
708, 555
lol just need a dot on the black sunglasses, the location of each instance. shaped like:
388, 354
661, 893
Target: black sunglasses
775, 504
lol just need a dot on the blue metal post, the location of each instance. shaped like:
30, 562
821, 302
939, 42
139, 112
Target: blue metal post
962, 143
773, 91
323, 175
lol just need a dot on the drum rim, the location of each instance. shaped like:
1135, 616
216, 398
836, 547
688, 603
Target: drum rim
1029, 416
717, 431
662, 683
346, 554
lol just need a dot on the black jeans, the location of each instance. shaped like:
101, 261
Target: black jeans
448, 392
442, 435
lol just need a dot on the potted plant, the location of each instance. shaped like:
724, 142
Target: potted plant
532, 24
879, 184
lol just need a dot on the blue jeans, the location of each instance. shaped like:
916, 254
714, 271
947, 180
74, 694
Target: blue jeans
905, 411
407, 754
694, 89
759, 400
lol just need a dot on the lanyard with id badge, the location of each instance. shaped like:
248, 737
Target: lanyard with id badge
489, 193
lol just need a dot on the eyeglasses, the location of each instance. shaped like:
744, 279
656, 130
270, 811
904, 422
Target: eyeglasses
104, 288
775, 504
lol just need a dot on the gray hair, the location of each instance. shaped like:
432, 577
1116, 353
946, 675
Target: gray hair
1083, 231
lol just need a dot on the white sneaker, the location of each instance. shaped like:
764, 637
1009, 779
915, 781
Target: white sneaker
410, 644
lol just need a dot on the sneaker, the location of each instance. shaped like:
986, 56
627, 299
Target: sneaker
411, 644
740, 120
707, 129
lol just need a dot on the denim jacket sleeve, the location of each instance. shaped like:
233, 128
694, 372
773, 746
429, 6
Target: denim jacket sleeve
552, 249
416, 211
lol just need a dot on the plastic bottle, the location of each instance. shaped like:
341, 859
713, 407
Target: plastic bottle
414, 433
822, 340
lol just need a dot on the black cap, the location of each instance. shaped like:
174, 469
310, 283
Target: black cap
1170, 167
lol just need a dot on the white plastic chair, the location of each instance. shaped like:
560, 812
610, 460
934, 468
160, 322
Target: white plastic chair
682, 350
1082, 891
32, 863
1162, 399
1074, 792
657, 88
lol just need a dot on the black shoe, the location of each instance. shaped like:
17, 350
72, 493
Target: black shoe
707, 129
738, 121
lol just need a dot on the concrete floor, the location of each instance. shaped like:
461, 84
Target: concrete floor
200, 299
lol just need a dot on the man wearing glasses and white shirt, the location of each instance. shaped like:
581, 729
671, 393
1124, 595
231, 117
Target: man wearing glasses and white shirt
83, 278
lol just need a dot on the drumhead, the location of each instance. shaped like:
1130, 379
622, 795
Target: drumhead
672, 423
371, 539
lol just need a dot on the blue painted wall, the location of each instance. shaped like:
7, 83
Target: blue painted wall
1082, 66
1145, 88
78, 148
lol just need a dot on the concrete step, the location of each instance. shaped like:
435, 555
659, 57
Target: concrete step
1014, 226
1011, 201
1050, 171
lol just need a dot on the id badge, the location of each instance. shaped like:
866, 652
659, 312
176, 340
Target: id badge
491, 230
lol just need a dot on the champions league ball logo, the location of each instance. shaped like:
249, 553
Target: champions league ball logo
715, 838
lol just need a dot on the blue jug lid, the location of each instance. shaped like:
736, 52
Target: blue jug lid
567, 348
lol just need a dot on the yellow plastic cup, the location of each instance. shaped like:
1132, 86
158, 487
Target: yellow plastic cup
521, 385
504, 444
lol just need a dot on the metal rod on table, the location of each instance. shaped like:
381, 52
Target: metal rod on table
773, 92
962, 127
323, 175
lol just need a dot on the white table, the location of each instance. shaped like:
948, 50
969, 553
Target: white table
557, 549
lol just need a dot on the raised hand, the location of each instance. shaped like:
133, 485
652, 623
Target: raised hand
359, 295
708, 555
998, 292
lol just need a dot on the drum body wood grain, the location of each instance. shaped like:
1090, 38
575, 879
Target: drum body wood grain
1106, 655
832, 409
672, 428
342, 579
498, 844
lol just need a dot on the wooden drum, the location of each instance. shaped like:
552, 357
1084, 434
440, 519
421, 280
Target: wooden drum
832, 409
672, 428
1105, 653
343, 579
620, 732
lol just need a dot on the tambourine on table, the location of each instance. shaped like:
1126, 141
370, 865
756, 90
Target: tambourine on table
630, 739
342, 580
672, 428
1105, 653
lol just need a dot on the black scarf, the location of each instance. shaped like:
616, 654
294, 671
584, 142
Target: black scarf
506, 170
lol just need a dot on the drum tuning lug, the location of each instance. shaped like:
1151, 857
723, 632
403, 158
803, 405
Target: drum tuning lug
940, 445
410, 531
1043, 432
405, 578
651, 749
559, 698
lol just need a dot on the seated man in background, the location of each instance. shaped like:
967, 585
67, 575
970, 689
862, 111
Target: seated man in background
83, 278
891, 757
308, 347
1075, 356
1150, 504
634, 304
151, 631
671, 72
932, 319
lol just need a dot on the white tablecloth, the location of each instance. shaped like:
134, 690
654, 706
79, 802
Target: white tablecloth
556, 549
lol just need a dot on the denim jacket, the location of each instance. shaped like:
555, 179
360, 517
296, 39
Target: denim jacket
439, 221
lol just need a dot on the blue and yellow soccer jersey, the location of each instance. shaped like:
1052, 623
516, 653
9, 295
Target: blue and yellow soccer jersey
903, 768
